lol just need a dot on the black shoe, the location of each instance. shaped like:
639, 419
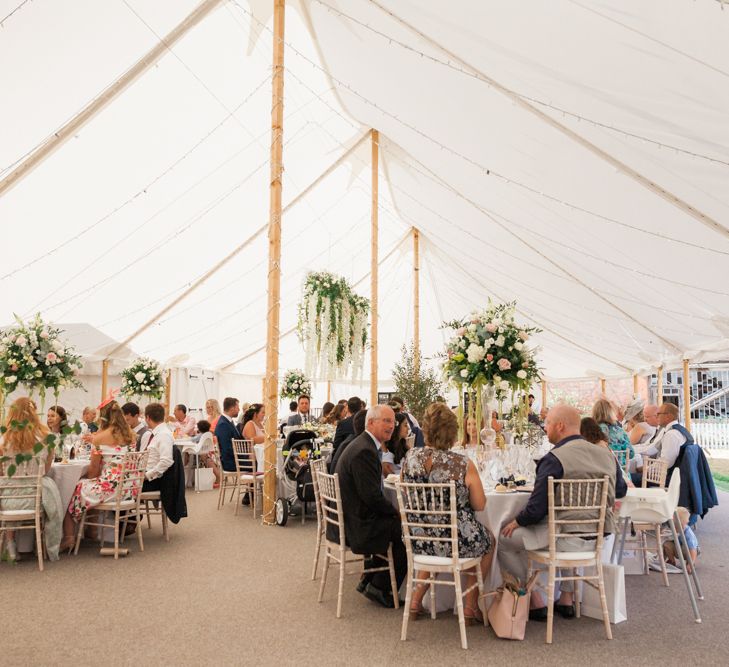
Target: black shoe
376, 595
246, 500
539, 614
565, 610
362, 585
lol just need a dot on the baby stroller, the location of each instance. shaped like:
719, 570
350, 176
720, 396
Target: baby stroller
295, 484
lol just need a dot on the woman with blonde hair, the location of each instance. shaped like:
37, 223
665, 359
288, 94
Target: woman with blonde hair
436, 464
22, 440
212, 408
113, 439
603, 412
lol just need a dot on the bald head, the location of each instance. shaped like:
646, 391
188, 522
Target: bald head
650, 412
562, 422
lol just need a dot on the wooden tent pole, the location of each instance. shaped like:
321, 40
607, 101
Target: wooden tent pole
104, 378
686, 394
329, 391
274, 263
72, 127
416, 298
602, 386
635, 385
659, 387
544, 393
168, 391
374, 268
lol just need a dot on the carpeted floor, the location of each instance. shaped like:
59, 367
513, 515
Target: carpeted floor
227, 590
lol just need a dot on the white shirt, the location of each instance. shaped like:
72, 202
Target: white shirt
378, 444
160, 447
667, 444
145, 436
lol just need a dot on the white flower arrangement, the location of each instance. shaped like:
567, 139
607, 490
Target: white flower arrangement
295, 384
144, 377
33, 355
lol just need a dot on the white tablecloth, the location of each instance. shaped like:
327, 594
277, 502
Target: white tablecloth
66, 476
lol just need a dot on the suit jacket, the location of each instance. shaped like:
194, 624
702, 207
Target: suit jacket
344, 428
172, 488
697, 494
226, 432
338, 453
367, 513
296, 420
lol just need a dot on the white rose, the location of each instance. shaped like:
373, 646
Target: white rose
472, 327
504, 385
462, 344
518, 346
500, 341
140, 376
521, 374
464, 373
10, 379
38, 373
475, 353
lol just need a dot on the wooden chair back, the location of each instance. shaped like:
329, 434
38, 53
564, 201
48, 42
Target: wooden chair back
245, 457
134, 466
21, 492
655, 472
623, 458
428, 516
577, 508
330, 503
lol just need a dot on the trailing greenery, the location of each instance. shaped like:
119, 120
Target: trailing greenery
418, 385
51, 442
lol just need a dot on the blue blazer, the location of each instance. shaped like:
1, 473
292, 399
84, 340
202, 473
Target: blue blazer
226, 432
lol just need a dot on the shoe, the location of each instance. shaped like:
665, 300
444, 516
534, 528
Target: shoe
565, 610
376, 595
362, 584
473, 616
246, 500
67, 544
539, 614
417, 612
216, 485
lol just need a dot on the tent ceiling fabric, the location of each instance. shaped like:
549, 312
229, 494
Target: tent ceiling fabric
172, 176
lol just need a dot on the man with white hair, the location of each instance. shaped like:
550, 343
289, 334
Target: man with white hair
572, 457
371, 522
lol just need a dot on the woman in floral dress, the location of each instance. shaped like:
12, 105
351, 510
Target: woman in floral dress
113, 439
436, 464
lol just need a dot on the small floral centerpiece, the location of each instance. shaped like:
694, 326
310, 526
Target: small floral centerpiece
489, 350
144, 377
332, 327
33, 355
295, 384
323, 431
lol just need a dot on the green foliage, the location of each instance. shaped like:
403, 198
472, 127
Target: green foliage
51, 442
418, 385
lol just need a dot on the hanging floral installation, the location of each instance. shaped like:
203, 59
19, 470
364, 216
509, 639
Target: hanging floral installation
33, 355
332, 327
143, 378
295, 384
488, 357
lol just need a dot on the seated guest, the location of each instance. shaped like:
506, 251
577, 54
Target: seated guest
338, 413
603, 412
88, 417
327, 411
359, 426
346, 427
572, 457
252, 428
668, 442
212, 410
206, 439
183, 425
141, 431
371, 521
590, 430
302, 414
398, 405
57, 419
110, 443
435, 464
495, 422
226, 432
160, 446
471, 434
639, 430
394, 450
22, 440
533, 417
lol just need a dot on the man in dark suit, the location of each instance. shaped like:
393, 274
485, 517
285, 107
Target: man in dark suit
226, 432
302, 414
359, 427
346, 427
371, 521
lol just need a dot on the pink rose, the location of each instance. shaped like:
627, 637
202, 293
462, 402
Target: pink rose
461, 331
525, 364
51, 357
490, 327
14, 367
523, 335
489, 357
504, 364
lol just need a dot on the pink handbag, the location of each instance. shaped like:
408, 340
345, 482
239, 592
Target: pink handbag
509, 612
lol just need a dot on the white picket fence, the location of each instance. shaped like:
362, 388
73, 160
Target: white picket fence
711, 433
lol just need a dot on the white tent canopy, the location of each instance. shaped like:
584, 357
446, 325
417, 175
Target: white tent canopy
570, 155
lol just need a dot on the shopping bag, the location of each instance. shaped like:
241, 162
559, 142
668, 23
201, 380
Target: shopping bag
509, 612
614, 578
204, 479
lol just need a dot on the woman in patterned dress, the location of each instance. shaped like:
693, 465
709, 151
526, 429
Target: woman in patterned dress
436, 464
113, 439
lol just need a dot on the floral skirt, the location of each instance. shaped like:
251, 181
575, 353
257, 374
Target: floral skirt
91, 492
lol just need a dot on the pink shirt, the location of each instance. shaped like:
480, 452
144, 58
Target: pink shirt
186, 427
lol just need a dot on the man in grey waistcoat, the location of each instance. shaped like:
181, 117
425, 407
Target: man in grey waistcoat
571, 458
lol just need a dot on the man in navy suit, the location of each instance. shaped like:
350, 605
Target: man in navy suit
225, 432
